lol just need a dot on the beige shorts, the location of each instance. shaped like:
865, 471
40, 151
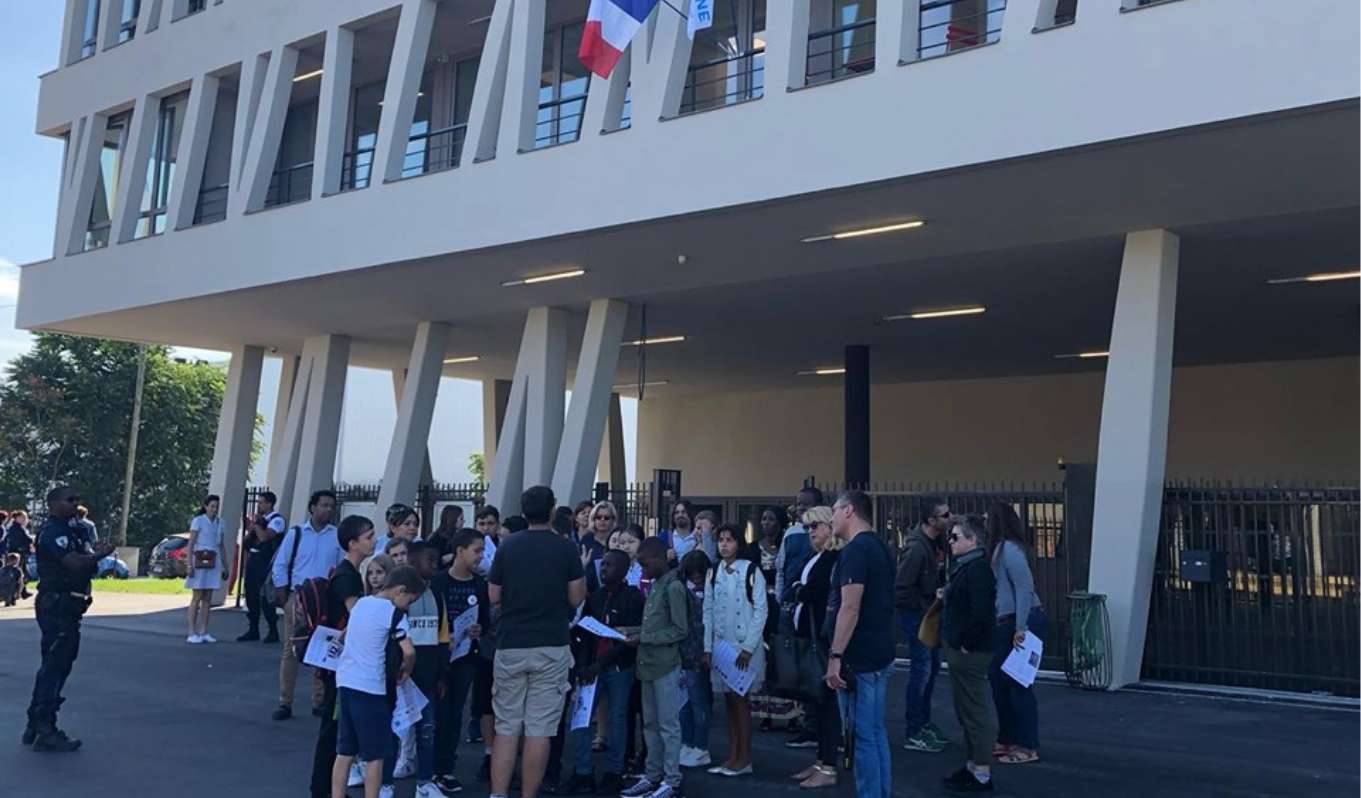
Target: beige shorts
529, 690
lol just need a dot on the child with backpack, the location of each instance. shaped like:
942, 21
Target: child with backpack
735, 613
363, 679
694, 715
428, 621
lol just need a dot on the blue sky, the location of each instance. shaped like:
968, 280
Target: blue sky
27, 221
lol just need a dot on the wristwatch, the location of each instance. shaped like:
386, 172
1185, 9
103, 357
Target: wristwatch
833, 655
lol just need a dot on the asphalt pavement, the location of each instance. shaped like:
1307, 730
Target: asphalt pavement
162, 719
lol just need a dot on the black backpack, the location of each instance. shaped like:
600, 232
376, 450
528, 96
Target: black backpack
392, 658
751, 579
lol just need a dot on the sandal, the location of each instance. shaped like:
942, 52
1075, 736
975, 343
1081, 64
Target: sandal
821, 777
1002, 749
1019, 756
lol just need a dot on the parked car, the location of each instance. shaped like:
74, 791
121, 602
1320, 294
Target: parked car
170, 557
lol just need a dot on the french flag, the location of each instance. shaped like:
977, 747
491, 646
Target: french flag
610, 26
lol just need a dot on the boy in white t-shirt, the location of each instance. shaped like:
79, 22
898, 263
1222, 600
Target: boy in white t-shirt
362, 679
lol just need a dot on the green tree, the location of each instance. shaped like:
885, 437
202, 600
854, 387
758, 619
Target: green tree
65, 408
477, 466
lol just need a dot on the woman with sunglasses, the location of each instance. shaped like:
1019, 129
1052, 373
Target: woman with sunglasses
968, 622
595, 541
811, 590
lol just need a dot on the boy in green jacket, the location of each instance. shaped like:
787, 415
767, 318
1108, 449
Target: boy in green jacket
665, 626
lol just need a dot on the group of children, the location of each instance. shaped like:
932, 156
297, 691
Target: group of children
426, 616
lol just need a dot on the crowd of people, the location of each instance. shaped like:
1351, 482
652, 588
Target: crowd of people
589, 655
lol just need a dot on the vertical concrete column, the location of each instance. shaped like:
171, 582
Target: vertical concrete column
524, 66
857, 414
527, 448
574, 472
489, 92
415, 409
333, 111
254, 70
231, 452
1132, 446
133, 168
786, 47
109, 13
82, 181
330, 356
73, 31
612, 466
404, 81
267, 134
283, 459
149, 16
495, 397
193, 151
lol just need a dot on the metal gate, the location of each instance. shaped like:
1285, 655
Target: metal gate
1257, 587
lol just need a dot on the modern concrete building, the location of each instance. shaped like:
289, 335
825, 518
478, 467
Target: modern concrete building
907, 240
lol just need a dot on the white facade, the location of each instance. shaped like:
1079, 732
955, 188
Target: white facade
302, 186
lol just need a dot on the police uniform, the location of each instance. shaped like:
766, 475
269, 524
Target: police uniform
259, 556
63, 597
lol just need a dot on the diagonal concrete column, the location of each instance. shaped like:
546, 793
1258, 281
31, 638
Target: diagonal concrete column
574, 472
231, 452
404, 80
267, 134
333, 112
1132, 449
415, 409
329, 356
133, 168
527, 449
495, 397
524, 67
283, 439
193, 152
612, 466
787, 26
489, 93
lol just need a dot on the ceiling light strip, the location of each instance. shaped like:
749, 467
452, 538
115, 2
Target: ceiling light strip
544, 278
826, 371
866, 231
665, 339
1082, 355
1321, 277
453, 361
971, 310
316, 73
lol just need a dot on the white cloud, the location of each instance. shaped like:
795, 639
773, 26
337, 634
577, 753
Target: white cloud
9, 281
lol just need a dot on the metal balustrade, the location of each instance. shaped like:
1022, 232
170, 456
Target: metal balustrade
724, 81
949, 26
838, 52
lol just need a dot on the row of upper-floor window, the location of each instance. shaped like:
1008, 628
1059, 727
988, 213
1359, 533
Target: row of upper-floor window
726, 67
125, 24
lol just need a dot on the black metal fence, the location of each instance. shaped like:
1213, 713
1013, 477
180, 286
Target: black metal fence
948, 26
1257, 587
724, 81
841, 51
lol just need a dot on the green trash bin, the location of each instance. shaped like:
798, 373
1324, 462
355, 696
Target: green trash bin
1089, 648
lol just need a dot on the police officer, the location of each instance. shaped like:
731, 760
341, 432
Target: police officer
262, 540
66, 562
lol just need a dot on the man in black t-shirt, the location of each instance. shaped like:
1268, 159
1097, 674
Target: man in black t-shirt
265, 532
538, 582
861, 656
356, 538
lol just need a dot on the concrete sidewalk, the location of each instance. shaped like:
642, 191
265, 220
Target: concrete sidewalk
163, 719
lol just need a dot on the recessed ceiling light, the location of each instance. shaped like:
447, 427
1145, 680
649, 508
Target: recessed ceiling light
971, 310
827, 371
1082, 355
316, 73
666, 339
866, 231
652, 384
467, 359
1321, 277
544, 278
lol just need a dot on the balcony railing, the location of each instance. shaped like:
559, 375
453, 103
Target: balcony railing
559, 121
290, 184
948, 26
356, 168
724, 81
838, 52
212, 204
434, 151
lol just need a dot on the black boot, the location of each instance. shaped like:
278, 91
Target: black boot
250, 635
47, 737
30, 731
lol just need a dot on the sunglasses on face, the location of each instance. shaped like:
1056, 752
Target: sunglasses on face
604, 518
945, 516
952, 537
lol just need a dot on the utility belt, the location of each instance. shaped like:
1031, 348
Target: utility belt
65, 602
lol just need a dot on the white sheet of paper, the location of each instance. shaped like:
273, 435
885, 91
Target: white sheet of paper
582, 704
410, 702
460, 644
323, 650
599, 629
725, 662
1023, 663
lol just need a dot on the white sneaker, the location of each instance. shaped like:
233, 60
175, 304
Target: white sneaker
388, 791
428, 790
193, 639
206, 638
702, 758
664, 791
356, 774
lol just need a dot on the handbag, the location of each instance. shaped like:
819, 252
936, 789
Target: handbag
928, 631
797, 668
205, 558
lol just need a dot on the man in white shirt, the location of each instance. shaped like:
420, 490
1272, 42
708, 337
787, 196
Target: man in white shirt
365, 725
306, 552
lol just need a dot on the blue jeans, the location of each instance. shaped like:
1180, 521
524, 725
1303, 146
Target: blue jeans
694, 716
921, 674
616, 684
864, 708
1018, 714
